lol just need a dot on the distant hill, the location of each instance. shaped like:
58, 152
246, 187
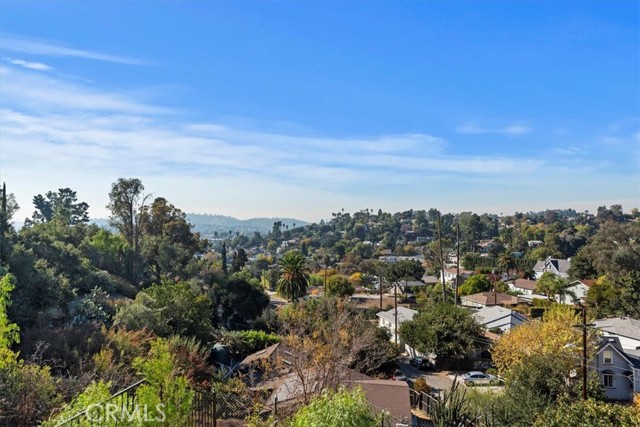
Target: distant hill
207, 225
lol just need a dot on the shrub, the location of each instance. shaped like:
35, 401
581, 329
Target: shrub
421, 386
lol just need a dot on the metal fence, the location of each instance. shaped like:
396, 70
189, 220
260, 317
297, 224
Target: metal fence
208, 409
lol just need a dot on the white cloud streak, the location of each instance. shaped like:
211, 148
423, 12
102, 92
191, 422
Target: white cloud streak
514, 129
37, 66
48, 48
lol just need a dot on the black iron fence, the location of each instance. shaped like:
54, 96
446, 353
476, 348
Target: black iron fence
208, 409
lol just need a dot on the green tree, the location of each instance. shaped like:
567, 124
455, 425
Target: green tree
62, 204
339, 286
551, 285
9, 332
474, 284
127, 203
223, 255
168, 245
239, 260
506, 262
169, 308
294, 276
443, 329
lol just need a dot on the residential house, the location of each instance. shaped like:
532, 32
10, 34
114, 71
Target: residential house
576, 292
619, 370
487, 299
552, 265
524, 286
626, 329
496, 317
449, 275
387, 319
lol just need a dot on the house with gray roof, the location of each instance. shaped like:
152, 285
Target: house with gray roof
387, 319
626, 329
556, 266
498, 317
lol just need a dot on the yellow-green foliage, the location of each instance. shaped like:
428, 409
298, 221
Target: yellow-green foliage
343, 408
590, 413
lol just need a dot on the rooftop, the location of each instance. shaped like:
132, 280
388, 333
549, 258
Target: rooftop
622, 326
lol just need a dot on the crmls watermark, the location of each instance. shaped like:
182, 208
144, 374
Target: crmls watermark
106, 413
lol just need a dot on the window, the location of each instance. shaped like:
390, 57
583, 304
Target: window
607, 380
607, 357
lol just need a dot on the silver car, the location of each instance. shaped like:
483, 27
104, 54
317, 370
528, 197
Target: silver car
479, 378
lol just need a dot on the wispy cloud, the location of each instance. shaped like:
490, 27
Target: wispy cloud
513, 129
570, 151
38, 66
57, 132
38, 91
49, 48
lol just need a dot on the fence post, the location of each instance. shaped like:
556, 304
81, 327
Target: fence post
215, 409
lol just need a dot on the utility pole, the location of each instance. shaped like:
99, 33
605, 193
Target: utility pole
395, 304
380, 285
455, 293
444, 290
584, 325
584, 352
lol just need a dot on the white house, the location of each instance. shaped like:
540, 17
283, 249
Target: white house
498, 317
387, 319
524, 286
579, 288
626, 329
552, 265
449, 275
619, 370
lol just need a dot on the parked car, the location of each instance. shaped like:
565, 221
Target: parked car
399, 376
421, 363
479, 378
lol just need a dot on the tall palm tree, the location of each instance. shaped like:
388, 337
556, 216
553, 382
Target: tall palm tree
506, 262
294, 276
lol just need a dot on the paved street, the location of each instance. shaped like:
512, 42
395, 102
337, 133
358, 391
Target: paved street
438, 381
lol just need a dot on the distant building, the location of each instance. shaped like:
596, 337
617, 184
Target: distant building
499, 317
524, 286
487, 299
387, 319
556, 266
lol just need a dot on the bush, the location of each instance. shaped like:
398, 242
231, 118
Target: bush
27, 394
421, 386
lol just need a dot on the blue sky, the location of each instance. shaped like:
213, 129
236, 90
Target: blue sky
304, 108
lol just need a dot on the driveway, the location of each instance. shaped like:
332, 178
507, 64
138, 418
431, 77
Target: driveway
438, 381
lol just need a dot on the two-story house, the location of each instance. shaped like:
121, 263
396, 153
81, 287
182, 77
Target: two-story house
552, 265
619, 369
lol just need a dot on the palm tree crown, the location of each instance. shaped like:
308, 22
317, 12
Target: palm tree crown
294, 276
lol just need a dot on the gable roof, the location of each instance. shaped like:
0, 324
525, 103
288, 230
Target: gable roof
491, 314
404, 314
527, 284
557, 264
388, 395
587, 282
491, 298
614, 343
622, 326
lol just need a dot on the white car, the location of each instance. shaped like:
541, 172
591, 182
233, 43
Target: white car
479, 378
